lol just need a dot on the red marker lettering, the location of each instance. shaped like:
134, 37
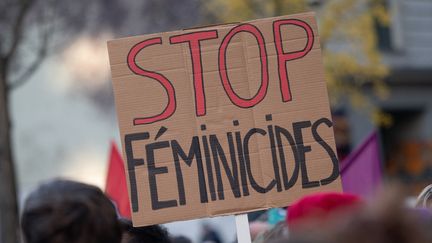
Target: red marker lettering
283, 57
171, 106
262, 91
194, 39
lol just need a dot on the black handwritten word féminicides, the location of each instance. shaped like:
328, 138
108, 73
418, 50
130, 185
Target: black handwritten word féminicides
212, 161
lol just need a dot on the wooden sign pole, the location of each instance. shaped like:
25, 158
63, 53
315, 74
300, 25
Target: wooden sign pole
242, 225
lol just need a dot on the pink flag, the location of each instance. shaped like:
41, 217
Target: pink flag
361, 170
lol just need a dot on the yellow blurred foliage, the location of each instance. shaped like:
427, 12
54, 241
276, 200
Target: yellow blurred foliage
348, 37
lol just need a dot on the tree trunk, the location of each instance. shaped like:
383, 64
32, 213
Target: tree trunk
8, 195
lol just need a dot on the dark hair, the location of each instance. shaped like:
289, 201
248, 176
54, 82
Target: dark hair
180, 239
152, 233
64, 211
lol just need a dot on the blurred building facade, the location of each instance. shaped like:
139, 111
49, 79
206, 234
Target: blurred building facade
406, 46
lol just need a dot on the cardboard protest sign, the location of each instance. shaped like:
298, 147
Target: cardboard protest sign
223, 119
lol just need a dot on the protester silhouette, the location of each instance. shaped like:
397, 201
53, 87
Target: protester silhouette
152, 233
64, 211
210, 235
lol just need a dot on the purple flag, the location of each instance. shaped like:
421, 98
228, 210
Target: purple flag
361, 170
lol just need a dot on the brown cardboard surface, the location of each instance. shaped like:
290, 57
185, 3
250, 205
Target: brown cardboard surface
256, 143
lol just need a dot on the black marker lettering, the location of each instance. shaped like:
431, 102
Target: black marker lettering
254, 184
288, 183
153, 171
194, 152
131, 163
232, 174
209, 168
302, 150
243, 172
274, 156
335, 173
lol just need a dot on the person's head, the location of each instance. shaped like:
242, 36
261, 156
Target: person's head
152, 233
385, 220
64, 211
320, 207
180, 239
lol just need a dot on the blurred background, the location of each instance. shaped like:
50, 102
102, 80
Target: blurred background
57, 109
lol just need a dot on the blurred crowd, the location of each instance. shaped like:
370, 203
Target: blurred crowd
64, 211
